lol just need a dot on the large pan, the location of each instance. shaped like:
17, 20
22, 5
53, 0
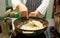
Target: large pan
35, 32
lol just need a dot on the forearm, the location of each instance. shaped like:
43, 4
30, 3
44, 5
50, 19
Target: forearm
43, 7
20, 7
16, 3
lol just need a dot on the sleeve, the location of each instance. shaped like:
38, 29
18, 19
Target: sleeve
15, 3
43, 7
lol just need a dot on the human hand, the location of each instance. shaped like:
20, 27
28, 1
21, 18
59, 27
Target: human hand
24, 11
34, 13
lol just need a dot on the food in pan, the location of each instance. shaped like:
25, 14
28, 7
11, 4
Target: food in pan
32, 25
38, 24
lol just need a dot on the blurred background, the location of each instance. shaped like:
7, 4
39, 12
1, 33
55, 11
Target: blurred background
54, 7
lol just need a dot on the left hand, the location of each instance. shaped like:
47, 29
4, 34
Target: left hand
35, 13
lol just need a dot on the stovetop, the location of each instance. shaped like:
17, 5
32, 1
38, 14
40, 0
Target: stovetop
54, 32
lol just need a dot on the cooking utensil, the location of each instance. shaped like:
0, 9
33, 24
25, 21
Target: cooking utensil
57, 21
32, 32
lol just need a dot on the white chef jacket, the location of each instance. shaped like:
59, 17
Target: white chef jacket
41, 8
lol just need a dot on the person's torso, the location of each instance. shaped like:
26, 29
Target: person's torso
32, 5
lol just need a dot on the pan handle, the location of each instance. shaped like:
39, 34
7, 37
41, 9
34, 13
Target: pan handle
28, 32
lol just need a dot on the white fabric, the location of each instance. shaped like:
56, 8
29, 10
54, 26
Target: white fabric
15, 3
42, 8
